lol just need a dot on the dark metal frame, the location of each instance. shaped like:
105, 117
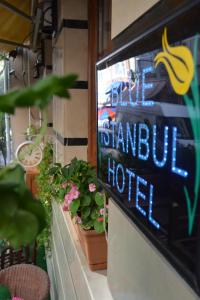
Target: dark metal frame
12, 43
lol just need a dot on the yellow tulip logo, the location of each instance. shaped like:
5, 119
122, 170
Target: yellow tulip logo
179, 64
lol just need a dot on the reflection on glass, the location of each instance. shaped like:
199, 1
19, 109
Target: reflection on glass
147, 148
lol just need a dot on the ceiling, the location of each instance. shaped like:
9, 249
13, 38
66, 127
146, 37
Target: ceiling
14, 27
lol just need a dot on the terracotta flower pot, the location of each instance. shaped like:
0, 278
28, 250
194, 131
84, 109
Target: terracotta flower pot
94, 246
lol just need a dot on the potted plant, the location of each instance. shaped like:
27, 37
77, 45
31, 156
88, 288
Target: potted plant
87, 207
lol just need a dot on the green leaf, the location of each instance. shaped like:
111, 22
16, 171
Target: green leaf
39, 94
87, 224
95, 213
86, 200
17, 198
65, 172
74, 206
5, 186
35, 207
52, 170
85, 212
14, 175
99, 199
98, 226
8, 203
22, 229
62, 193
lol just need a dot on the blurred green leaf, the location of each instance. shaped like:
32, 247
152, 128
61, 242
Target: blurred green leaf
95, 213
74, 206
39, 94
13, 175
8, 203
61, 194
85, 212
98, 226
99, 199
22, 218
36, 208
21, 229
86, 200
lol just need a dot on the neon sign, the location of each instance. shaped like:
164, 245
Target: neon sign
149, 149
141, 151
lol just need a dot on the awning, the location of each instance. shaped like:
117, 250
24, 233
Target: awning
15, 23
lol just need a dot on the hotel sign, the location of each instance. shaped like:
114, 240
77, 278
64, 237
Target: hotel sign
149, 145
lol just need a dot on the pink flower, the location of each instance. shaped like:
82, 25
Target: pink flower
16, 298
101, 211
69, 198
92, 187
100, 219
73, 194
78, 220
65, 207
74, 191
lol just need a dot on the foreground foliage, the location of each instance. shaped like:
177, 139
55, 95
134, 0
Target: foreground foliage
22, 218
45, 192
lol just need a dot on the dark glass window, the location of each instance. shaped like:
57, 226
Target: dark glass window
149, 142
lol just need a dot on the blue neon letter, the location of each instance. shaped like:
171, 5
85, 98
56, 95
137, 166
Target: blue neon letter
111, 171
106, 139
143, 141
175, 169
164, 146
120, 137
120, 93
129, 91
137, 82
120, 179
140, 194
130, 176
114, 95
125, 102
146, 86
151, 219
113, 124
131, 138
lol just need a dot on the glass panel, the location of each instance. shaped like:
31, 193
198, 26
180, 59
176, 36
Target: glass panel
149, 146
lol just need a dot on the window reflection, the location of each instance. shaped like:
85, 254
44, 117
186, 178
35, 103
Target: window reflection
156, 169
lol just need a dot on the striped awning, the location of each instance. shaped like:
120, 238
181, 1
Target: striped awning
15, 23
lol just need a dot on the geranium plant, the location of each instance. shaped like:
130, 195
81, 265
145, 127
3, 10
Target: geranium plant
80, 191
